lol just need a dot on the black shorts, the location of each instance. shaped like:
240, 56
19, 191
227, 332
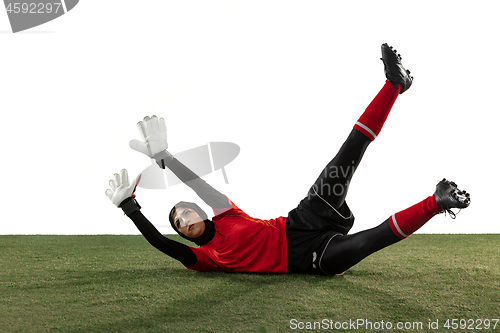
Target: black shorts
309, 228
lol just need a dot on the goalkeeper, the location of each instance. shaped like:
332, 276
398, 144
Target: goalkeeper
313, 238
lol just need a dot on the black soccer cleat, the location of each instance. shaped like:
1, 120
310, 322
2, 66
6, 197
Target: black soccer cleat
394, 70
448, 196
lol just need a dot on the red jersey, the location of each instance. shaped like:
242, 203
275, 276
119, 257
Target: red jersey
244, 244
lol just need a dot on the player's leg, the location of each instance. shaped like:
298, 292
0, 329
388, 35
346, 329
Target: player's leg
332, 184
343, 252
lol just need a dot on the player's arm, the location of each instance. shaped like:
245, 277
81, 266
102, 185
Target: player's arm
122, 195
207, 193
171, 248
154, 135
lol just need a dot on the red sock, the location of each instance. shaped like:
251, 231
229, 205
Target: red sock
372, 120
411, 219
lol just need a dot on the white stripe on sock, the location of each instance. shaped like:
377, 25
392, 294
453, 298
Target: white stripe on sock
367, 129
397, 226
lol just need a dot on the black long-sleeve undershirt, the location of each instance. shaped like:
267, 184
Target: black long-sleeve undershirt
171, 248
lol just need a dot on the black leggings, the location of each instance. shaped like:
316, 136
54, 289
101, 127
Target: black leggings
344, 251
333, 182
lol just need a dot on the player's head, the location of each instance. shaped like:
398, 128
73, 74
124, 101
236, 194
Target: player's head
191, 222
187, 220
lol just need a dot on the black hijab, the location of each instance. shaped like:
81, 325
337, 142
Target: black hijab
209, 232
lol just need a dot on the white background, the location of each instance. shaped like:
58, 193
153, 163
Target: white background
284, 80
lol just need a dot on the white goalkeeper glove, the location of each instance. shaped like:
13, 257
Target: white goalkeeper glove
154, 136
121, 188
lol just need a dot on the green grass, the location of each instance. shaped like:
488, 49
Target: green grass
122, 284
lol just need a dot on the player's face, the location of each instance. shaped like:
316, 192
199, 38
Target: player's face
188, 222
